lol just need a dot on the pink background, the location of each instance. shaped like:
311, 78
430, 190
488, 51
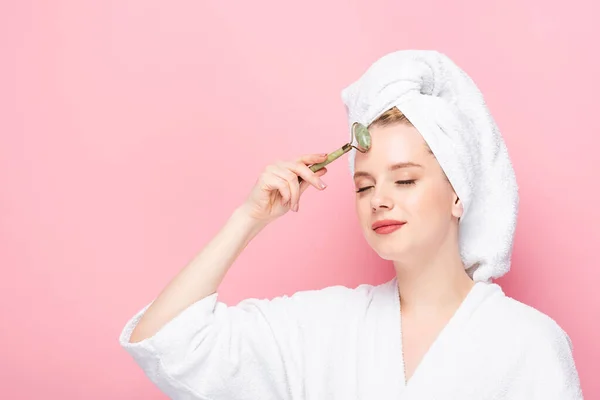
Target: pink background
130, 130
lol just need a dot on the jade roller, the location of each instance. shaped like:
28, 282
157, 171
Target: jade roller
363, 141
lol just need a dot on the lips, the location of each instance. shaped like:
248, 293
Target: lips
387, 225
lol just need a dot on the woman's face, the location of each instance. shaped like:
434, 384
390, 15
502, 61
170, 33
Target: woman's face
399, 179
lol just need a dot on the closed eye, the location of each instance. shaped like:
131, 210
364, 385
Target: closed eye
406, 182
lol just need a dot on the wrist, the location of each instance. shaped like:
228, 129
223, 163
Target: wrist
242, 219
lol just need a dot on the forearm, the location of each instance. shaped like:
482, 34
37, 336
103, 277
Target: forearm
201, 277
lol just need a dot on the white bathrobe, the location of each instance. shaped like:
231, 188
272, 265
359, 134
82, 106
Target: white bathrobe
345, 343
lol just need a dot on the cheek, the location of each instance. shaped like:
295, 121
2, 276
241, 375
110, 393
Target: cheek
427, 202
363, 208
364, 213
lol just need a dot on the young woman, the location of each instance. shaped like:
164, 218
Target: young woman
436, 195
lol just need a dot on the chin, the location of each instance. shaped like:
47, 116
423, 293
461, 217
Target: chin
391, 255
389, 251
390, 247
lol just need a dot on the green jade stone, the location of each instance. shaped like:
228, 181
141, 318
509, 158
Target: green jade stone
363, 139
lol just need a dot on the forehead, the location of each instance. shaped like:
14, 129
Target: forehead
394, 143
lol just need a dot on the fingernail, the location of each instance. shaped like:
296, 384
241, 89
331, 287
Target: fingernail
322, 184
295, 207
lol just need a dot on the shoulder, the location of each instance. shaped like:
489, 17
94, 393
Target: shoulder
539, 348
319, 305
528, 327
341, 296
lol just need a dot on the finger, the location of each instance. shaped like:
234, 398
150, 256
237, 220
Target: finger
308, 159
273, 182
305, 185
292, 180
302, 170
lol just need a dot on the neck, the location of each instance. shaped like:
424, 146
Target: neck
433, 285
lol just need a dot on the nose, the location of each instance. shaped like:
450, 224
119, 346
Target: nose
381, 200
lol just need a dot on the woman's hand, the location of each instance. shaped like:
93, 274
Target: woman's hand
278, 188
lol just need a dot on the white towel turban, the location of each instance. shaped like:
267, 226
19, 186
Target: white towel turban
449, 111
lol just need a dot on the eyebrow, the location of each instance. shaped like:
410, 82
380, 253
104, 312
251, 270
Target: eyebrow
392, 167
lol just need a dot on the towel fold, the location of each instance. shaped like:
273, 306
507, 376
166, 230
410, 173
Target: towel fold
449, 111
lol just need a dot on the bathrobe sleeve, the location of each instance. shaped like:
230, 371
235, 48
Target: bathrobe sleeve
555, 373
249, 351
